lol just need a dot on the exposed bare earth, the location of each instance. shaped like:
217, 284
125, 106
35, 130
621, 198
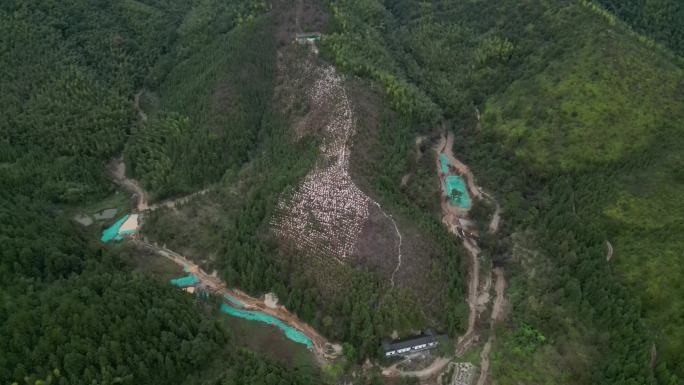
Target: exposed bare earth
117, 169
484, 363
326, 214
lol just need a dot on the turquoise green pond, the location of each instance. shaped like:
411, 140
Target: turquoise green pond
445, 163
234, 301
455, 182
112, 232
188, 280
291, 333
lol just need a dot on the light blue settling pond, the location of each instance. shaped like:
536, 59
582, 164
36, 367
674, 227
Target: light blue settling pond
234, 301
455, 182
291, 333
188, 280
445, 163
113, 231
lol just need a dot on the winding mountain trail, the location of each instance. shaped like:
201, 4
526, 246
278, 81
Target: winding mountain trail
396, 229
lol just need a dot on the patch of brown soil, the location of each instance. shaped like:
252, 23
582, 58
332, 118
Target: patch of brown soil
117, 171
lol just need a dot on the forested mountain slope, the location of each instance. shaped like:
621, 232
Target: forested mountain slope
72, 312
232, 229
569, 112
575, 122
659, 19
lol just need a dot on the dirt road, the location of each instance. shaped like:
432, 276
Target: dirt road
451, 221
445, 146
435, 368
172, 203
117, 170
217, 286
484, 363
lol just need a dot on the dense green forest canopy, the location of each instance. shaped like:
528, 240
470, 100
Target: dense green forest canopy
574, 120
659, 19
71, 311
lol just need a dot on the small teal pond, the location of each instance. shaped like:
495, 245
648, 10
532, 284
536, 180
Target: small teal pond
188, 280
112, 232
445, 163
291, 333
455, 182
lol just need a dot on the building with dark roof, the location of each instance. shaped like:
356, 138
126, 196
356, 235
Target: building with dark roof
417, 344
